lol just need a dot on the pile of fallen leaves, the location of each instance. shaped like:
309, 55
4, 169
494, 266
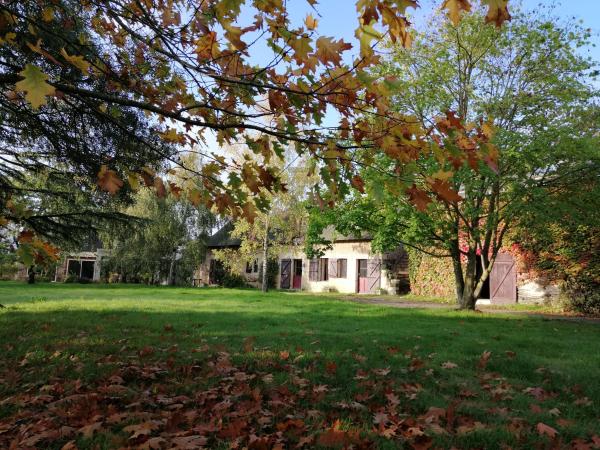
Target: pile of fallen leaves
264, 401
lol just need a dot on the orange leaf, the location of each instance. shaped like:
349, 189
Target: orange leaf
108, 180
418, 198
310, 22
455, 7
497, 11
547, 430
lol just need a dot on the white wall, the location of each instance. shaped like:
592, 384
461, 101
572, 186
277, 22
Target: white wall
352, 252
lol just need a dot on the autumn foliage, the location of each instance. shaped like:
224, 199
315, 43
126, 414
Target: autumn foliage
188, 67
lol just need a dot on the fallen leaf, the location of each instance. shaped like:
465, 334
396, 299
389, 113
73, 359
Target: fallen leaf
546, 430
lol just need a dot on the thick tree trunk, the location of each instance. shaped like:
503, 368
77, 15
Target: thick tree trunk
468, 297
31, 275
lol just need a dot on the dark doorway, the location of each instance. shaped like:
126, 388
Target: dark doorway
216, 272
485, 291
74, 268
87, 270
297, 280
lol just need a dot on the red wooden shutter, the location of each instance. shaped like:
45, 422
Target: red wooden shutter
373, 275
313, 270
332, 268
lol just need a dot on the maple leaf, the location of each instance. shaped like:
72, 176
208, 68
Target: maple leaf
310, 22
455, 7
34, 85
161, 191
484, 359
88, 430
449, 365
330, 51
108, 180
546, 430
418, 197
26, 236
77, 61
358, 183
497, 11
141, 429
380, 418
444, 191
154, 443
134, 181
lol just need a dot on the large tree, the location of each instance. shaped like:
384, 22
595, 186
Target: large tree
531, 81
164, 243
187, 67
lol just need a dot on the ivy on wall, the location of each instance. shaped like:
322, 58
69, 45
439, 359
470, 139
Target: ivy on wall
429, 276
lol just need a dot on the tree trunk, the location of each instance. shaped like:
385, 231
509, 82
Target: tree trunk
458, 272
468, 299
31, 275
170, 280
265, 279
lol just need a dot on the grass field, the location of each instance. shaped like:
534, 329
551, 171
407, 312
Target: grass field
95, 366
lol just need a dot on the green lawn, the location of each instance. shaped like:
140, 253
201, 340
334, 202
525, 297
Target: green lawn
95, 366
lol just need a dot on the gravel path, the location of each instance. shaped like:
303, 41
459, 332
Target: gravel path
398, 302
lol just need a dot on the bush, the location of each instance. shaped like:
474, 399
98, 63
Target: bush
583, 294
71, 278
233, 280
272, 273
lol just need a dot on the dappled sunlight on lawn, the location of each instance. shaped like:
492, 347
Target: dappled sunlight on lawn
144, 367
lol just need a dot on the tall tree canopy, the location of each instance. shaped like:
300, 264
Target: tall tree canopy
75, 69
531, 80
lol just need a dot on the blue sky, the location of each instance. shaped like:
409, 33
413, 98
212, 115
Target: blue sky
338, 18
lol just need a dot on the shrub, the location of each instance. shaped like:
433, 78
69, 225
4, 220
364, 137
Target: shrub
71, 278
233, 280
583, 294
272, 273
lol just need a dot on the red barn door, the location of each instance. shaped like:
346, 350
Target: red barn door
503, 280
297, 280
362, 280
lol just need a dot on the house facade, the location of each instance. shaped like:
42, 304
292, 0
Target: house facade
349, 266
85, 266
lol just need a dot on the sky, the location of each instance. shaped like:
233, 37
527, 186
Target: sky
338, 18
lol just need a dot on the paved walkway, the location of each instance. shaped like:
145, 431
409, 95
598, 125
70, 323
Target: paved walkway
399, 302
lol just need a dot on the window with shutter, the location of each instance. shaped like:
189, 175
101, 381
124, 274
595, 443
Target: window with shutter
341, 268
313, 270
323, 269
332, 268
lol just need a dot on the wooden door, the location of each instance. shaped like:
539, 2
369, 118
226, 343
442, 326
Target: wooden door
297, 280
286, 272
503, 280
373, 275
362, 276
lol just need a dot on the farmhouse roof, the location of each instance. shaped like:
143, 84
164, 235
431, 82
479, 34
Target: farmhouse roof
222, 238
